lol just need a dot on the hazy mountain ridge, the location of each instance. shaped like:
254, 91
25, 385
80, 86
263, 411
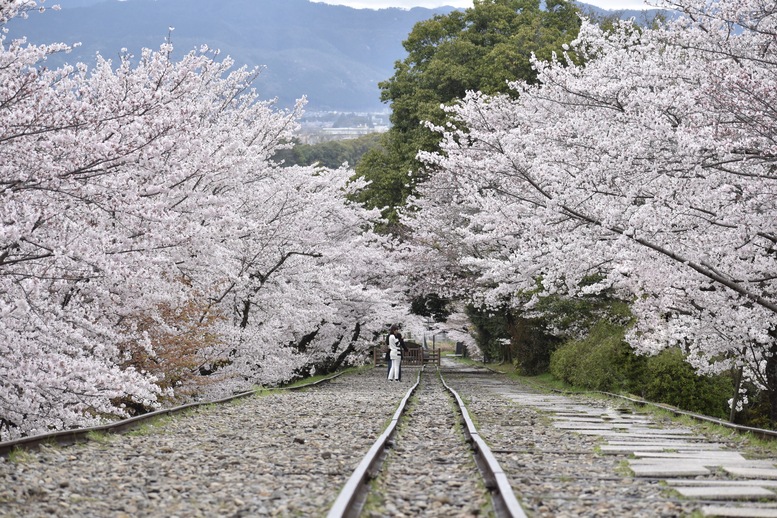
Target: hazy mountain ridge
335, 55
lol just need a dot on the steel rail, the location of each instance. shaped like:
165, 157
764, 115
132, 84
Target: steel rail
350, 501
762, 433
66, 437
504, 500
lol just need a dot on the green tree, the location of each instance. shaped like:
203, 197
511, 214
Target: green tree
329, 154
490, 331
431, 305
481, 48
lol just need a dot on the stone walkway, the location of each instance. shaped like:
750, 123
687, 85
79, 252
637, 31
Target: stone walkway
720, 480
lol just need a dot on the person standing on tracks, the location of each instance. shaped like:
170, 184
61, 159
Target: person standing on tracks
387, 350
402, 349
395, 356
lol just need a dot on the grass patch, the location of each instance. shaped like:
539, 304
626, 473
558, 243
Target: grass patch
149, 427
319, 377
467, 361
20, 456
623, 469
673, 494
375, 501
99, 437
549, 382
307, 381
264, 392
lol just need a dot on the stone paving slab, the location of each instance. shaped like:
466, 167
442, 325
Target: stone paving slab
560, 402
739, 512
561, 425
637, 432
606, 419
579, 418
754, 472
596, 419
690, 467
717, 456
647, 436
607, 414
658, 431
633, 448
601, 432
665, 470
726, 492
591, 412
744, 463
711, 482
676, 444
749, 463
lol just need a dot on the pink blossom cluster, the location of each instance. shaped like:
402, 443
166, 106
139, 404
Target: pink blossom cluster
132, 189
643, 157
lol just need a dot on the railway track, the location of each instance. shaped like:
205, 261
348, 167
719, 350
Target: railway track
67, 437
430, 461
358, 445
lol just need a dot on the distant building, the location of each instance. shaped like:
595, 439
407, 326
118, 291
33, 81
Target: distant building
328, 134
346, 133
317, 127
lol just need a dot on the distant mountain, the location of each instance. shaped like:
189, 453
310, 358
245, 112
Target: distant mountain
334, 55
644, 17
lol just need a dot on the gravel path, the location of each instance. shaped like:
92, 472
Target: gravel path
281, 455
290, 453
430, 471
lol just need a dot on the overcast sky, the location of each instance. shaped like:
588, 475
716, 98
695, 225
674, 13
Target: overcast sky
380, 4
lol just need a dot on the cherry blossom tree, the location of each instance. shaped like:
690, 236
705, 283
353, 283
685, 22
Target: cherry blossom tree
649, 167
146, 237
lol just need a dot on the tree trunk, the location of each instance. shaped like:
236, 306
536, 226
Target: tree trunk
771, 383
348, 350
515, 328
244, 314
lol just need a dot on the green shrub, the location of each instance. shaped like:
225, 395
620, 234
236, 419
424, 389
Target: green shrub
600, 361
602, 319
531, 344
603, 361
563, 361
756, 412
670, 379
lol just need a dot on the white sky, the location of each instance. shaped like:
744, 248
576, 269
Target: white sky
407, 4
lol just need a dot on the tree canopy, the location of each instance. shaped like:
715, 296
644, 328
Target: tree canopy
479, 49
332, 154
650, 168
148, 239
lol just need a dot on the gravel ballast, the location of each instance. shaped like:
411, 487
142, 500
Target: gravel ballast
290, 454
